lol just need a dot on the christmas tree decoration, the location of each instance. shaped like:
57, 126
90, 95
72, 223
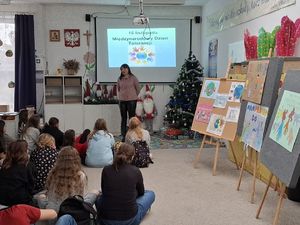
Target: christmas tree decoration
182, 104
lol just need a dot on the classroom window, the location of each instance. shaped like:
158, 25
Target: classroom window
7, 61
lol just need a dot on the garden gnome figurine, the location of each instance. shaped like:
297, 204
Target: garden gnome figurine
150, 110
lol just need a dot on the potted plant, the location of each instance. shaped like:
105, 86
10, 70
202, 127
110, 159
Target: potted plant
71, 65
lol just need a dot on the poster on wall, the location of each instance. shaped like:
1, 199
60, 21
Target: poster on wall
254, 125
286, 124
212, 58
236, 52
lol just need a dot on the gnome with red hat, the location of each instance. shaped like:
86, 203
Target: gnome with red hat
149, 109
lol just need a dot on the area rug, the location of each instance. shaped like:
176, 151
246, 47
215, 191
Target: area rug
159, 141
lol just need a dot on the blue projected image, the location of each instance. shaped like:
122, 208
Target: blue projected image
140, 48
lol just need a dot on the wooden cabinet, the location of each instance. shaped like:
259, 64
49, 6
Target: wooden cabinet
63, 89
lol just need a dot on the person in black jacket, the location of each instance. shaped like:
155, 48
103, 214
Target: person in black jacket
52, 128
16, 179
124, 199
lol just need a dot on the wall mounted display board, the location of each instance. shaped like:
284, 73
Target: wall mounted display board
270, 90
281, 147
218, 108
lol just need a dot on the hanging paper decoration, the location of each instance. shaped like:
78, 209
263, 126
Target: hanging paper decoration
266, 41
286, 37
9, 53
72, 37
250, 43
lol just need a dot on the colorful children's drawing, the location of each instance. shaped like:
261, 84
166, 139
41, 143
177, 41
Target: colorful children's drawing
216, 124
203, 113
233, 114
210, 88
236, 91
255, 82
254, 125
287, 121
221, 100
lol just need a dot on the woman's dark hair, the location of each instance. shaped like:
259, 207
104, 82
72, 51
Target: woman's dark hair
125, 66
16, 154
2, 125
123, 155
84, 135
69, 138
53, 121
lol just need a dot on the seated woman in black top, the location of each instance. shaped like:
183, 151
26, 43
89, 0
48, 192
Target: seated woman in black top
16, 179
124, 200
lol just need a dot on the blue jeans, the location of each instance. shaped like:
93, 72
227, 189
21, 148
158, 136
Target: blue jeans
126, 107
144, 203
66, 220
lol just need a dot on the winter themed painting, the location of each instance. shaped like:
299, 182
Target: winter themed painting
254, 125
236, 91
287, 120
210, 88
220, 101
216, 124
203, 113
233, 114
255, 82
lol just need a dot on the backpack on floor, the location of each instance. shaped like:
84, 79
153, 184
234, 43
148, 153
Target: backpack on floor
142, 154
83, 212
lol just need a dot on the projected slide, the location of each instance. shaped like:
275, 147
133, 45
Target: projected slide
140, 48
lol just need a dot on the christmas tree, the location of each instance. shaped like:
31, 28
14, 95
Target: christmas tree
182, 105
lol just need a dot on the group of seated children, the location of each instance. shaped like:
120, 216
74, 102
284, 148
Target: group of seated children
42, 170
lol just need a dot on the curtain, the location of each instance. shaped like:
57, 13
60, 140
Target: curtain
25, 77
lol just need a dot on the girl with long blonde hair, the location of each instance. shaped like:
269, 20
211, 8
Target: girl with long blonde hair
136, 132
65, 179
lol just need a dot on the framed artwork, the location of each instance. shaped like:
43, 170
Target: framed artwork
54, 35
72, 37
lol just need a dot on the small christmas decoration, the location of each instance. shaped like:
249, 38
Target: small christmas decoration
148, 104
71, 65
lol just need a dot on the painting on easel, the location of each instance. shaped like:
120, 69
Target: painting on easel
254, 125
287, 120
255, 82
210, 89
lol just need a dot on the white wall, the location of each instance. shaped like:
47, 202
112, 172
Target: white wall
63, 16
236, 33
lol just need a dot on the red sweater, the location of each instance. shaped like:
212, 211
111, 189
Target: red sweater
81, 148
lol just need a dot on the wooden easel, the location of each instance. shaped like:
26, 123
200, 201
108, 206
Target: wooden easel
282, 189
217, 144
254, 170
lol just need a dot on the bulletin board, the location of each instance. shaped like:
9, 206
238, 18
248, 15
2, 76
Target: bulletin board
218, 103
281, 147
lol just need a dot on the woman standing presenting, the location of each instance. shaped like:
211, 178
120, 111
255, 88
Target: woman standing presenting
128, 88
